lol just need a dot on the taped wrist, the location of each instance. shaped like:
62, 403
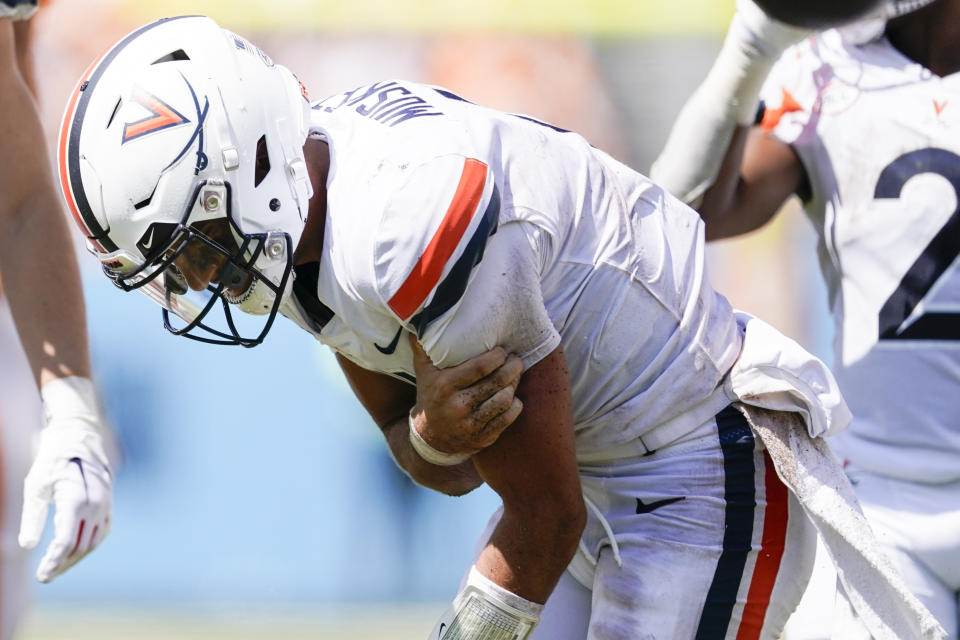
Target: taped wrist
428, 453
727, 98
483, 610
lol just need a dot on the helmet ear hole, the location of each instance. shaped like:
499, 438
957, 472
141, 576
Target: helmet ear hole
262, 167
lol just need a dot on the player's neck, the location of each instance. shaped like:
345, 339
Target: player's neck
930, 36
317, 155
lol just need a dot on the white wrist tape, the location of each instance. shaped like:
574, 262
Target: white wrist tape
70, 397
428, 453
483, 610
728, 97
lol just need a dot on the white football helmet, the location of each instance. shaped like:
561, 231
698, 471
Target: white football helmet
182, 126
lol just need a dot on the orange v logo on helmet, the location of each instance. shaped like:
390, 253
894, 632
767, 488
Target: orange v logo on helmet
163, 117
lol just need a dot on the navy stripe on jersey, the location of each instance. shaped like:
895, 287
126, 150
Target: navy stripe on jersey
737, 444
20, 3
305, 290
451, 288
97, 232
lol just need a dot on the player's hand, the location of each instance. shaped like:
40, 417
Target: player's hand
769, 36
463, 409
71, 470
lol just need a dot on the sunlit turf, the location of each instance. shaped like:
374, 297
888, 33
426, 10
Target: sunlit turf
356, 622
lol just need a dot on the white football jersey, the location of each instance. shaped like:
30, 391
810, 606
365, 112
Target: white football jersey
879, 137
474, 228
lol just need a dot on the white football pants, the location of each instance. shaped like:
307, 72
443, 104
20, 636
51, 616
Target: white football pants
698, 540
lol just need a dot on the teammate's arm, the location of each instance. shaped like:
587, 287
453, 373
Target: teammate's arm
758, 173
36, 254
735, 174
42, 284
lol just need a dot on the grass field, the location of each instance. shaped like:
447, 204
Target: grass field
400, 622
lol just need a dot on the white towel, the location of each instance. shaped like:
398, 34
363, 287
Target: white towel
875, 590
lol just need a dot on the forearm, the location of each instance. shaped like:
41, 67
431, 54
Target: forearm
455, 480
37, 261
44, 291
531, 547
533, 468
718, 205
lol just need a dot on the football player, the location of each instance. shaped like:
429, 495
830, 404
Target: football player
42, 285
407, 227
861, 122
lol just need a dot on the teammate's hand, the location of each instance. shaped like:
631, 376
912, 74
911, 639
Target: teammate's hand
463, 409
71, 470
769, 36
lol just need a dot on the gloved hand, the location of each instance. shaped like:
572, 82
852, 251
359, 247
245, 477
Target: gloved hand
71, 470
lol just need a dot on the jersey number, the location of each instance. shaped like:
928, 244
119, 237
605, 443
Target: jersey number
935, 259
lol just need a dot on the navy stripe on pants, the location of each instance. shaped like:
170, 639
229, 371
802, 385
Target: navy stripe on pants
737, 444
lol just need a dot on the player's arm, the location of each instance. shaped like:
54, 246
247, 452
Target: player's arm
715, 160
42, 284
465, 280
533, 468
758, 173
458, 411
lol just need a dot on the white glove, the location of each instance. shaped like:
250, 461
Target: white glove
71, 469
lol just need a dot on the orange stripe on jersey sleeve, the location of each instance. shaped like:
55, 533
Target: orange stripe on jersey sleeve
426, 273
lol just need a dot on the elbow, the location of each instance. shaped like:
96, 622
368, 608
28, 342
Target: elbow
454, 481
458, 487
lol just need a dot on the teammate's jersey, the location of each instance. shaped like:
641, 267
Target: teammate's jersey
18, 9
473, 228
879, 137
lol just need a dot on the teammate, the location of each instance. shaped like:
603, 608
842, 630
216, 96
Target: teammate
42, 286
861, 122
403, 225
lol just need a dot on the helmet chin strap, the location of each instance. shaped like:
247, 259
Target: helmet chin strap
257, 300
